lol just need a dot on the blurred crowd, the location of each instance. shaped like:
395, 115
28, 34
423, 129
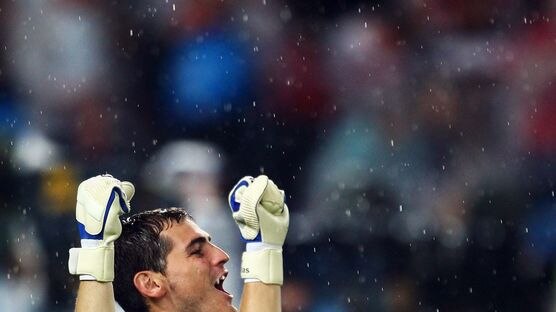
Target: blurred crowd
415, 140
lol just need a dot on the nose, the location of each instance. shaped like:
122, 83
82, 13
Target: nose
220, 257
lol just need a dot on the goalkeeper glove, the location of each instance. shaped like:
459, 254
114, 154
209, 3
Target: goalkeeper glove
259, 210
100, 202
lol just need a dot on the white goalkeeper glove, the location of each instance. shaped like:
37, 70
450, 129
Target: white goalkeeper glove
100, 202
259, 210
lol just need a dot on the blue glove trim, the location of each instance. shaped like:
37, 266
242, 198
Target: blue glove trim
233, 203
84, 235
123, 203
81, 227
258, 238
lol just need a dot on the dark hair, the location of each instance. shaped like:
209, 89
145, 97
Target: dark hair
141, 248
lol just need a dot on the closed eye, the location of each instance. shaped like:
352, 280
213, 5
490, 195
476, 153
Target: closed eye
197, 252
196, 246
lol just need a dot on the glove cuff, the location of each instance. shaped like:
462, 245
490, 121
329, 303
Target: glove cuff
96, 262
263, 265
256, 246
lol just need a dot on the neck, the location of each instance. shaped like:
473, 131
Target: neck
161, 305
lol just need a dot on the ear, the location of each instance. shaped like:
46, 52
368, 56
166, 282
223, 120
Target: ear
150, 284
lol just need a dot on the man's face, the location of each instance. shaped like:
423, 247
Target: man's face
194, 268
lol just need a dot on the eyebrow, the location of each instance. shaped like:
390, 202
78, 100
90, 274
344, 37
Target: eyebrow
198, 240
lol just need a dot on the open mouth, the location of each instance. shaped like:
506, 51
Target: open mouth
219, 283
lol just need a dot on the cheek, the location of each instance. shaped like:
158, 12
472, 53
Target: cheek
181, 282
187, 275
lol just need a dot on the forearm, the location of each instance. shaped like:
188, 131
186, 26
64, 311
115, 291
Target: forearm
259, 297
94, 296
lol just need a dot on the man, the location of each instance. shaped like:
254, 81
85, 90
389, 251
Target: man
164, 262
189, 174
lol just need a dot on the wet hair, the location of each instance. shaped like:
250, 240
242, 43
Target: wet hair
141, 248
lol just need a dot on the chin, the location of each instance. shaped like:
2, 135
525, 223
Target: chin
227, 308
231, 308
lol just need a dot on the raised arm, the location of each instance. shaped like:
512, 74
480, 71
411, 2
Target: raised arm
95, 296
100, 202
260, 297
263, 218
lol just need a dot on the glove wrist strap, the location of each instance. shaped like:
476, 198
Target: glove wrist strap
97, 263
263, 265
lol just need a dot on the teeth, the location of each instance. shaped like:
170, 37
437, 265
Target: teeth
220, 280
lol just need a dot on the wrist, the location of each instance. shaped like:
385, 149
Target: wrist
257, 246
264, 265
253, 247
89, 243
92, 263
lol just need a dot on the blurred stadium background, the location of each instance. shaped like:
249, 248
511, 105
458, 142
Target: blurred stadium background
416, 139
